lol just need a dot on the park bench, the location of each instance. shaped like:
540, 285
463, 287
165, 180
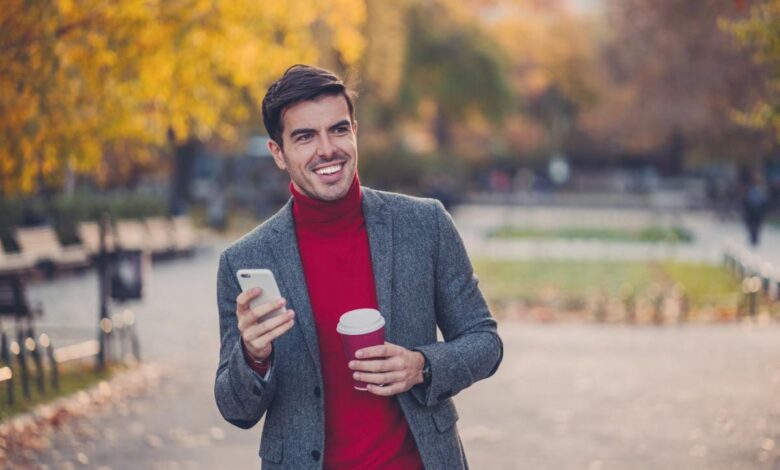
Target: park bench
132, 235
13, 263
89, 233
185, 237
160, 236
40, 245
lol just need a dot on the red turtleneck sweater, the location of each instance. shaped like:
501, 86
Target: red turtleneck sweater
362, 430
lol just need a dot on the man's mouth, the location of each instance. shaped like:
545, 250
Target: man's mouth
330, 169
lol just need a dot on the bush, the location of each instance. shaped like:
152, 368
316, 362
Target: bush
64, 214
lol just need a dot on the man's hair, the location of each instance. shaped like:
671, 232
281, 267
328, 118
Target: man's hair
300, 83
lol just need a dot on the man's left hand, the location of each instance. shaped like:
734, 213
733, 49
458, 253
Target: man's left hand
388, 369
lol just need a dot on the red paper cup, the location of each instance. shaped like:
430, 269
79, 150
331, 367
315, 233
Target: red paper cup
360, 329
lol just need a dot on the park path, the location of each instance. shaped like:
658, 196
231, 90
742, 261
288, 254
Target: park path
711, 232
568, 396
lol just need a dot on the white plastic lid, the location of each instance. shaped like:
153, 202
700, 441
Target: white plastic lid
360, 321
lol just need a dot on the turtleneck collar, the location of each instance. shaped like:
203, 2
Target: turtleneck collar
317, 217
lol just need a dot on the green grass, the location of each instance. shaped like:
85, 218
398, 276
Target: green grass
648, 234
705, 284
72, 379
533, 279
526, 279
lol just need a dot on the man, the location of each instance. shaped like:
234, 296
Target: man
335, 247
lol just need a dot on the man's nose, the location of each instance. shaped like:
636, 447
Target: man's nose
326, 149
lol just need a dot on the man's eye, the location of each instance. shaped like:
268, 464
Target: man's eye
303, 137
342, 130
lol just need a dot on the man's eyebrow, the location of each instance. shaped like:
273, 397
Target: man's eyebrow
343, 122
306, 130
302, 130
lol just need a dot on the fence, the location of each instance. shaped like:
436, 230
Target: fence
33, 358
758, 275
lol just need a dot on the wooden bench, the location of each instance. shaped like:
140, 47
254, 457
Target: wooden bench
13, 263
132, 235
41, 245
160, 232
89, 233
185, 237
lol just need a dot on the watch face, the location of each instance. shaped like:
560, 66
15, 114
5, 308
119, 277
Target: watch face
426, 373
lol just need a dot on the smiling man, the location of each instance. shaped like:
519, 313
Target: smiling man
334, 247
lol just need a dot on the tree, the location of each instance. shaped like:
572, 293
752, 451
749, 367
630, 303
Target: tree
554, 70
674, 80
454, 66
83, 80
760, 32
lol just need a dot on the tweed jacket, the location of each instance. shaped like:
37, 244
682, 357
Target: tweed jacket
424, 280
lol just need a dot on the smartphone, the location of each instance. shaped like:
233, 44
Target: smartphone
264, 279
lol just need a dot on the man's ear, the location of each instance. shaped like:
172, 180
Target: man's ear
277, 153
354, 127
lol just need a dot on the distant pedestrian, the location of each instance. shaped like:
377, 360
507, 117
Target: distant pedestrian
755, 202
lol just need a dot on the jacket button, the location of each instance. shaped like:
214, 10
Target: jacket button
315, 454
317, 392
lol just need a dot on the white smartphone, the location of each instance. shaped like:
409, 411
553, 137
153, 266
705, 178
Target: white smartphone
264, 279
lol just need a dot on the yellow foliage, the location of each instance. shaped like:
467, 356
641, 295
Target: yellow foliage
759, 31
78, 78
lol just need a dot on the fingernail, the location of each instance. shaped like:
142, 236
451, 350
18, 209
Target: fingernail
352, 364
255, 290
359, 354
356, 376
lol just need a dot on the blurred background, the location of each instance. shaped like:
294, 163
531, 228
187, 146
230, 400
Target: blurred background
612, 165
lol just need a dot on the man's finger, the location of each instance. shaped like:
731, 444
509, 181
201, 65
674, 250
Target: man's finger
380, 365
264, 309
259, 329
387, 390
384, 350
243, 299
262, 341
379, 379
247, 318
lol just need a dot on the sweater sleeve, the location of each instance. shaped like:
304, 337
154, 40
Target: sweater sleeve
260, 368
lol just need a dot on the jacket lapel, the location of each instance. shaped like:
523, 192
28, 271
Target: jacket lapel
379, 225
292, 281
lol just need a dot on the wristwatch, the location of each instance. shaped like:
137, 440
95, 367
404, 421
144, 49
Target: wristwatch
426, 372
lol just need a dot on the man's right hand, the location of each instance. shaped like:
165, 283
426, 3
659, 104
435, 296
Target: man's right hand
258, 334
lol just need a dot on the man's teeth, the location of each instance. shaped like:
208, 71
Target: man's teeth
328, 170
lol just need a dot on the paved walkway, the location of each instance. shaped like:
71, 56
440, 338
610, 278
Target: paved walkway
710, 234
566, 397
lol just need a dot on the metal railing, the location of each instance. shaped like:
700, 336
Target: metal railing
758, 275
34, 361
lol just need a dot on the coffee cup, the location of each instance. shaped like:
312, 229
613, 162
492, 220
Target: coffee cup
360, 329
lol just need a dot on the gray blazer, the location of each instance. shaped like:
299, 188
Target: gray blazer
423, 280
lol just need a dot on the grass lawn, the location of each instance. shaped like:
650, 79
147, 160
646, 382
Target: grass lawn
648, 234
72, 379
533, 280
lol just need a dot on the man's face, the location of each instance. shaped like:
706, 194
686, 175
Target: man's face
320, 148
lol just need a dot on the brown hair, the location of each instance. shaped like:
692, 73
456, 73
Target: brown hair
300, 83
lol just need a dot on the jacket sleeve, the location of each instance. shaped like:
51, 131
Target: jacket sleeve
472, 349
242, 394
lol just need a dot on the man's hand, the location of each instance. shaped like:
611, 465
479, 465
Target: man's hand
388, 369
257, 334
